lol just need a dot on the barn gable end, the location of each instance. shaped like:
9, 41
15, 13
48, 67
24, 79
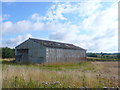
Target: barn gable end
35, 52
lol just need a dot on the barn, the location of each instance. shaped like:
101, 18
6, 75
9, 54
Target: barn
42, 51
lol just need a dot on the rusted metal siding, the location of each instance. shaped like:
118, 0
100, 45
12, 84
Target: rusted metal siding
64, 55
36, 52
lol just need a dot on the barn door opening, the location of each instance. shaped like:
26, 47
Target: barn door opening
22, 54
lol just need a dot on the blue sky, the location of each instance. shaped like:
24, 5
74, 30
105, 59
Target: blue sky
91, 25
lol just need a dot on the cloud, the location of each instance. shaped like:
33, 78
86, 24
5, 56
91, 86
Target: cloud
17, 40
4, 17
37, 17
10, 27
101, 27
95, 30
104, 26
23, 26
88, 8
67, 32
6, 26
102, 19
38, 26
83, 9
1, 18
55, 12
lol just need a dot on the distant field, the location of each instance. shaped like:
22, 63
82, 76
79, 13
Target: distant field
101, 59
60, 75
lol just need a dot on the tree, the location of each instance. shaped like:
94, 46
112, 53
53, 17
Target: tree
91, 54
8, 52
118, 55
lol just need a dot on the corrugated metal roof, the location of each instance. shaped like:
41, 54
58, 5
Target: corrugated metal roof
53, 44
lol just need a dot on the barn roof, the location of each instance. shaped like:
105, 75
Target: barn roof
54, 44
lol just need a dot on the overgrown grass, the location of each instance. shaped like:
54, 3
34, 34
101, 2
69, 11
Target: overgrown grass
55, 66
63, 82
56, 75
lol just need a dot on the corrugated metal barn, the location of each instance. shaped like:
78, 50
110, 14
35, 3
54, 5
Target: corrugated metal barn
41, 51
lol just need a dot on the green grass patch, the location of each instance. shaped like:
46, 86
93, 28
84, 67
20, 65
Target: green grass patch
101, 59
54, 66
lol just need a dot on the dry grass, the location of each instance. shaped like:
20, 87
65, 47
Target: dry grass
7, 59
81, 76
109, 70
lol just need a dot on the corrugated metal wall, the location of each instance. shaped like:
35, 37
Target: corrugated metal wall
36, 52
39, 54
64, 55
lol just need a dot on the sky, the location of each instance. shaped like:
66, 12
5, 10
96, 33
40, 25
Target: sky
90, 25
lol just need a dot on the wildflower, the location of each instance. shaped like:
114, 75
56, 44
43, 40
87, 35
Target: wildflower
45, 83
86, 87
104, 87
68, 86
60, 84
56, 82
118, 87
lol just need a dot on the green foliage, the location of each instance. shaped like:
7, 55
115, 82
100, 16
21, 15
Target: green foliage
104, 56
8, 52
118, 55
91, 54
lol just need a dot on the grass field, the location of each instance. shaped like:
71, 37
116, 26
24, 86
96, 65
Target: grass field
102, 59
60, 75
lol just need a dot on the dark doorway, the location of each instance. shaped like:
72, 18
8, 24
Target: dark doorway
22, 55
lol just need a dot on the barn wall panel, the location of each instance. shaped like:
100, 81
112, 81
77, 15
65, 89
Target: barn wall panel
65, 55
36, 52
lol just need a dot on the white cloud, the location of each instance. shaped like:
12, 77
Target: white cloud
23, 25
36, 17
20, 26
97, 31
37, 26
66, 32
57, 10
53, 13
17, 40
4, 17
102, 19
1, 18
102, 24
88, 8
6, 26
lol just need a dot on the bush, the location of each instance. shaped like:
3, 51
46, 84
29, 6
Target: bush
91, 54
8, 52
118, 55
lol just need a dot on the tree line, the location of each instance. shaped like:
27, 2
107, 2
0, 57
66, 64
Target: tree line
7, 52
104, 55
10, 53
